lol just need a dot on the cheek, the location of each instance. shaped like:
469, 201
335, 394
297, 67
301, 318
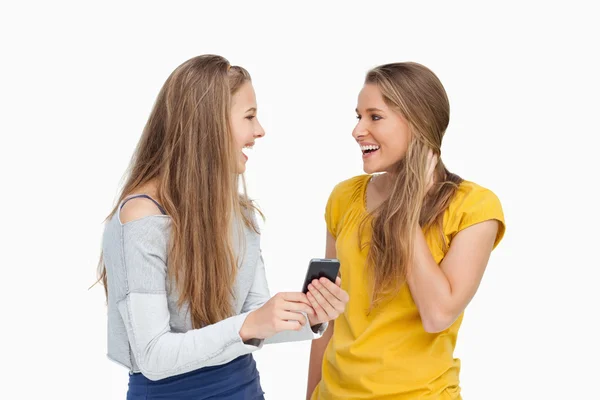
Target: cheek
394, 143
238, 133
401, 143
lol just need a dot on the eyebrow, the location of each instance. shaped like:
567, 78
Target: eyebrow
371, 110
253, 109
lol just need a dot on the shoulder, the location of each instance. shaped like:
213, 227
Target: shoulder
136, 209
472, 204
470, 195
350, 189
136, 233
343, 197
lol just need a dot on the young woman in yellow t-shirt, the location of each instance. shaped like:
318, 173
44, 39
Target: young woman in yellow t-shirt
413, 239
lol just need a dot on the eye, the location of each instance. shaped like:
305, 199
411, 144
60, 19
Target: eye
358, 117
375, 117
250, 117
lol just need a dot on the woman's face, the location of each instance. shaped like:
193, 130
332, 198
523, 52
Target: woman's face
244, 123
382, 133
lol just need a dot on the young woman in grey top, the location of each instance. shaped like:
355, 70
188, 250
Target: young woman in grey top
188, 300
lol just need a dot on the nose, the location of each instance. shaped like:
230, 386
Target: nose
359, 131
259, 132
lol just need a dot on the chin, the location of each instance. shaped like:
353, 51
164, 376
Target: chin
371, 169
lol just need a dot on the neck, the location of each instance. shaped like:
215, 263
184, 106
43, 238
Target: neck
383, 182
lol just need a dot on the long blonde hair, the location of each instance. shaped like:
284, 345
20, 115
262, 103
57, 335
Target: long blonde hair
187, 147
417, 94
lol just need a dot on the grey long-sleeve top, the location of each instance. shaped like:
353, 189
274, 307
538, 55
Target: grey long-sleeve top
147, 331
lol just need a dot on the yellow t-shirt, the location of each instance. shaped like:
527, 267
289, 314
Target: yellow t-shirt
387, 354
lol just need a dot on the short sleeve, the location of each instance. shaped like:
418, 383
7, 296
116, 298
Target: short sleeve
478, 205
331, 217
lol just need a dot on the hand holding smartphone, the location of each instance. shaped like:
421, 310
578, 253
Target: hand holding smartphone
327, 299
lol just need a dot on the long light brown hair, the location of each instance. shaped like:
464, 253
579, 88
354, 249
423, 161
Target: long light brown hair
417, 94
187, 148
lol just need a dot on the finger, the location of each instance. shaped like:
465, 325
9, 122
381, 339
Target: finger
338, 281
317, 294
289, 326
329, 289
321, 313
335, 289
293, 316
295, 297
327, 294
431, 161
293, 306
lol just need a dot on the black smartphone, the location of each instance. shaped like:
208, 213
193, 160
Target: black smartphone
321, 267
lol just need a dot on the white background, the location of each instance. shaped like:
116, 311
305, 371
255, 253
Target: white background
78, 81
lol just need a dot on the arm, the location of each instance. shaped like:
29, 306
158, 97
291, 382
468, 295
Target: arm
317, 350
160, 353
318, 346
259, 295
442, 292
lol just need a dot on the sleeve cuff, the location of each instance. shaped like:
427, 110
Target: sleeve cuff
319, 329
251, 344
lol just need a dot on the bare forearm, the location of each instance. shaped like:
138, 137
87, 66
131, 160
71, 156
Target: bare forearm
317, 351
441, 292
429, 286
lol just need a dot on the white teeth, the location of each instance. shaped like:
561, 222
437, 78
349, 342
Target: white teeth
369, 147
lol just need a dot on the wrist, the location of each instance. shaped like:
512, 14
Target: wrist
247, 331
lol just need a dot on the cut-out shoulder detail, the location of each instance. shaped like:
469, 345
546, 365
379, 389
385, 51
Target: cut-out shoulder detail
138, 208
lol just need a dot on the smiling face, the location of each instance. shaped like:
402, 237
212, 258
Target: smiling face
381, 132
244, 123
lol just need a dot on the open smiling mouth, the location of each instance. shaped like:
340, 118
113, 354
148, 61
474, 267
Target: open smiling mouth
369, 150
246, 148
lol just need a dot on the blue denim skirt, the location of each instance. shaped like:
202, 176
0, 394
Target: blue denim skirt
236, 380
